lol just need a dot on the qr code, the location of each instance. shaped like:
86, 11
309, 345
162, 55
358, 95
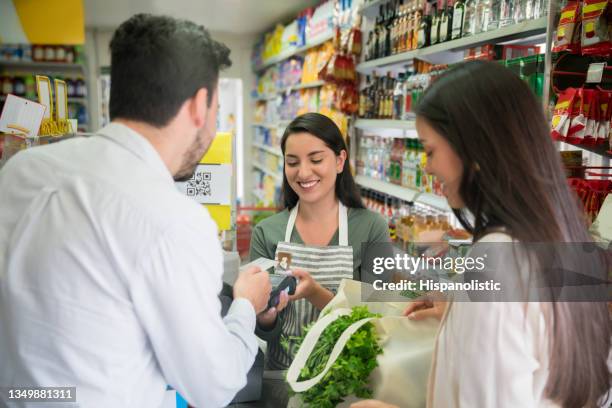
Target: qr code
199, 185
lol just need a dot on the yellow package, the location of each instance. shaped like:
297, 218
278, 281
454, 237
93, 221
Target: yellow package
309, 68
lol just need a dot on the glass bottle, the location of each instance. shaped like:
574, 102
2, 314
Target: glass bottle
505, 13
458, 17
446, 24
424, 33
398, 97
469, 19
434, 34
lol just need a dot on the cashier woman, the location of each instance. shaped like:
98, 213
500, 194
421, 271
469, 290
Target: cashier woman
323, 227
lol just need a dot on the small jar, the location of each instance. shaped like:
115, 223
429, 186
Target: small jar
50, 53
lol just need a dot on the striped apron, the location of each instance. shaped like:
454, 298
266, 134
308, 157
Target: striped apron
328, 265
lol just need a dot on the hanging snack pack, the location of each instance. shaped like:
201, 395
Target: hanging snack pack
562, 114
568, 32
595, 38
578, 117
603, 123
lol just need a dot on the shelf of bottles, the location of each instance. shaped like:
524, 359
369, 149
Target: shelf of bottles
408, 29
396, 166
411, 222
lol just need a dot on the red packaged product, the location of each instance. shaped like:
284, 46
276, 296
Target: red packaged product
591, 108
578, 117
568, 31
603, 122
595, 38
562, 114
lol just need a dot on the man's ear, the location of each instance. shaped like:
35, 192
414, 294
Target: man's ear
198, 107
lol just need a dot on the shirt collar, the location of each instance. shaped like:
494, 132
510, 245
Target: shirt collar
139, 146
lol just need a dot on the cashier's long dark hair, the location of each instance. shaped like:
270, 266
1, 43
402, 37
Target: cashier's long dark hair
325, 129
513, 178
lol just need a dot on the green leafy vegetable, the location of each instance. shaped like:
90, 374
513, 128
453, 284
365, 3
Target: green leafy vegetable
349, 374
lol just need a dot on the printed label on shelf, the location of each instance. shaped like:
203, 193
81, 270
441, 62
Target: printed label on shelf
210, 184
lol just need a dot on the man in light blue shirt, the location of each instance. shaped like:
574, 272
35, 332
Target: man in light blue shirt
108, 275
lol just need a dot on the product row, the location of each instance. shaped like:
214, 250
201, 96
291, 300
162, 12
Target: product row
326, 99
294, 71
310, 25
407, 25
409, 223
585, 27
42, 53
398, 161
24, 85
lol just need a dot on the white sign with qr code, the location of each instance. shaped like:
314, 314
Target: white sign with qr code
210, 184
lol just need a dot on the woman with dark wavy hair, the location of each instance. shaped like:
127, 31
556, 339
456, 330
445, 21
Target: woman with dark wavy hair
487, 141
323, 227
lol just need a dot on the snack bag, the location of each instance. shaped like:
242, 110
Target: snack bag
578, 118
561, 116
568, 32
595, 39
605, 113
591, 109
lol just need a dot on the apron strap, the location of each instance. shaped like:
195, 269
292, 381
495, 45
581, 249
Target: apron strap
342, 224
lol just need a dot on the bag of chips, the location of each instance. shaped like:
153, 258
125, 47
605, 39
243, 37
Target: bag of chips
595, 38
568, 32
603, 123
561, 115
578, 118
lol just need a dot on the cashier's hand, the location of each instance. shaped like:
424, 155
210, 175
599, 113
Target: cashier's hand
372, 404
431, 306
253, 285
267, 319
310, 289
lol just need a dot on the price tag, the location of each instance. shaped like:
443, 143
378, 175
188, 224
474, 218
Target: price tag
595, 72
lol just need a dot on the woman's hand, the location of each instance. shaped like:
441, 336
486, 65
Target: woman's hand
372, 404
267, 319
431, 306
310, 290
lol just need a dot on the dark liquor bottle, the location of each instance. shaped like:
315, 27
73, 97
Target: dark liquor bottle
446, 25
424, 33
434, 34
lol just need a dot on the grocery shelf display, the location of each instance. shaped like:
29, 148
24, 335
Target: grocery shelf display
407, 44
20, 63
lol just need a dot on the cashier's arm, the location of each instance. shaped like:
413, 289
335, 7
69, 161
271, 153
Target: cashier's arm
204, 357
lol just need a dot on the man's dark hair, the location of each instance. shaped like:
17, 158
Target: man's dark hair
159, 62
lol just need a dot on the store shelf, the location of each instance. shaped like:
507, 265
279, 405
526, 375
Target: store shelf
41, 65
75, 99
403, 193
522, 30
266, 125
71, 99
372, 6
288, 89
290, 53
269, 149
601, 150
315, 84
267, 172
384, 124
390, 189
